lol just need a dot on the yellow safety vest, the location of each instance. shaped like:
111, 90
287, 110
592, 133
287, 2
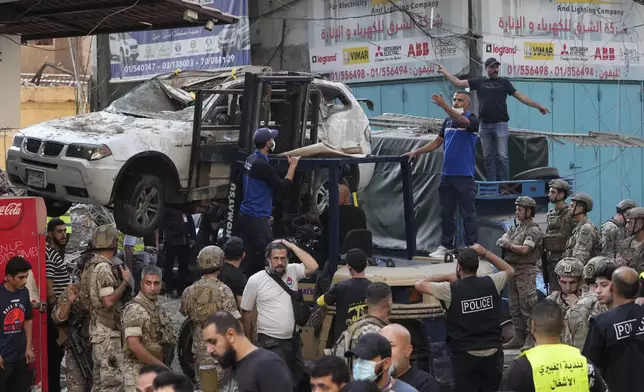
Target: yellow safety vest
558, 367
138, 247
68, 222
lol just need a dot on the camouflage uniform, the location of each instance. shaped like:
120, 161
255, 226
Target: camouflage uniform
146, 319
522, 287
567, 267
75, 380
205, 297
354, 332
98, 280
613, 232
632, 250
585, 242
559, 229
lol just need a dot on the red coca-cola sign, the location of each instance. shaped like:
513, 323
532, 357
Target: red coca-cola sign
11, 213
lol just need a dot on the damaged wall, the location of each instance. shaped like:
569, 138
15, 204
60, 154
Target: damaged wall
279, 34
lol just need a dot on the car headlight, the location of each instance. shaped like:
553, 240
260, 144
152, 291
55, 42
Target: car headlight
88, 151
18, 139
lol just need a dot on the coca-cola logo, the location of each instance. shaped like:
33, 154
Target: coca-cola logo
11, 213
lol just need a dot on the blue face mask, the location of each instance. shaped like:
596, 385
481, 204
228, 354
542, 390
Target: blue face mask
364, 370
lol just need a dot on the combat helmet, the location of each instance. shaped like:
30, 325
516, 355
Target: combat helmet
584, 198
636, 213
525, 201
569, 267
561, 185
625, 205
210, 257
595, 264
105, 237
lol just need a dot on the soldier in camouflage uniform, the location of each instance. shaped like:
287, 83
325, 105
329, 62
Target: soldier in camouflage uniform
632, 249
584, 243
64, 307
379, 305
613, 232
103, 293
559, 229
205, 297
522, 249
569, 271
147, 330
577, 317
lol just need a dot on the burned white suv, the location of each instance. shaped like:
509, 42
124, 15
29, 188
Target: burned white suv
135, 155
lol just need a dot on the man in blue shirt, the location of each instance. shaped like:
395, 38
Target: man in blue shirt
457, 177
260, 181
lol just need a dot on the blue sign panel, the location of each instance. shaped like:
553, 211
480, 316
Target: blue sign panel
143, 54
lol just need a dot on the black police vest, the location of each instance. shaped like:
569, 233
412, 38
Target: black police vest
474, 315
622, 329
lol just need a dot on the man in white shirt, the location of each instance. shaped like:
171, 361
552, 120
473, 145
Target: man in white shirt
276, 328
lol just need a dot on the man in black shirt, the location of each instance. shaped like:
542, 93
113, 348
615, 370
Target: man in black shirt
16, 350
249, 368
209, 227
329, 374
179, 236
615, 341
350, 295
233, 276
550, 354
401, 350
493, 115
351, 218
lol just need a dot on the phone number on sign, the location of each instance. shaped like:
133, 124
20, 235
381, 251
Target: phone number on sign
379, 72
543, 70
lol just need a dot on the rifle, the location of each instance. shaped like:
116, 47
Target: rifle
79, 349
544, 268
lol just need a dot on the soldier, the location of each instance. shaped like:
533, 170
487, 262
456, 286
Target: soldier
205, 297
576, 319
522, 249
559, 229
379, 304
103, 292
569, 271
75, 366
147, 329
613, 231
584, 243
632, 249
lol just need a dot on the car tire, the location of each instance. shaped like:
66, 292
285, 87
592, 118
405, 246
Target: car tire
507, 331
319, 200
56, 208
184, 349
538, 173
140, 205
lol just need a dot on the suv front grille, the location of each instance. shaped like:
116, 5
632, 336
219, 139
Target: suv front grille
52, 149
32, 145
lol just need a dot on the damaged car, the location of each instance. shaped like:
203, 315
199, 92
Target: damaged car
134, 156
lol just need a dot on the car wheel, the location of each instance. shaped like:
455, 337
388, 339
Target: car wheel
139, 206
319, 201
184, 349
538, 173
56, 208
507, 331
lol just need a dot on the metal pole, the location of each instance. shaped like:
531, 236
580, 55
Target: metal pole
408, 204
334, 219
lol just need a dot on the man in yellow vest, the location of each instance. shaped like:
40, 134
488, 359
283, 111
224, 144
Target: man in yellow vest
550, 365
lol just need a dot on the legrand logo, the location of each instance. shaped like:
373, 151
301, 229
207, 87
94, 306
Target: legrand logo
355, 55
325, 59
538, 51
500, 50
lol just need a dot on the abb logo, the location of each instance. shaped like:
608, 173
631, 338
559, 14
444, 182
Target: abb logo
420, 49
11, 213
500, 50
607, 54
325, 59
11, 209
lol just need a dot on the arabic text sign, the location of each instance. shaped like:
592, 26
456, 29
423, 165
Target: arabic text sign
595, 39
366, 40
141, 55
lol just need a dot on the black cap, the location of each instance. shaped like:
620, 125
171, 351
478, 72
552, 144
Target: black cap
263, 135
370, 346
233, 248
491, 62
356, 259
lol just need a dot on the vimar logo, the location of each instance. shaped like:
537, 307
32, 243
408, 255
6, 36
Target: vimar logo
358, 55
324, 59
539, 51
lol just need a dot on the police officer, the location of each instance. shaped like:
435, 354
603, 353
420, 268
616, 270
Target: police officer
205, 297
569, 271
551, 365
559, 229
260, 182
632, 249
615, 343
613, 231
147, 331
577, 317
584, 243
522, 249
104, 291
473, 318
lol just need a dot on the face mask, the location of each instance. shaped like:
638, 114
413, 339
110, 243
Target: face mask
364, 370
273, 146
459, 110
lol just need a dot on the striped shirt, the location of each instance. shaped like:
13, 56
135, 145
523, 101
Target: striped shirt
56, 271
